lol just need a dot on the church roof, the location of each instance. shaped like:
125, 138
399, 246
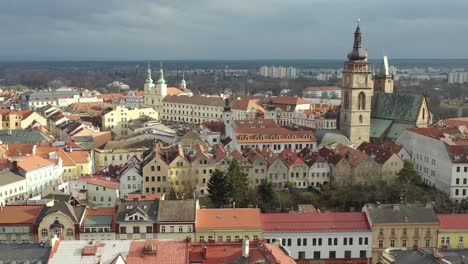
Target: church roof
397, 106
396, 129
379, 126
326, 137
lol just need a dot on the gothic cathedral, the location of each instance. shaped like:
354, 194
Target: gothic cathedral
154, 94
356, 94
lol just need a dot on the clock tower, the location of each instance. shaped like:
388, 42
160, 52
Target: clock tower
356, 93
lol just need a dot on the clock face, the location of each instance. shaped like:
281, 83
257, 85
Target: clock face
347, 80
361, 80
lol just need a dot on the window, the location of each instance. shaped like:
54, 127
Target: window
163, 229
299, 242
416, 242
44, 232
428, 231
332, 254
304, 241
314, 241
316, 254
360, 241
202, 238
460, 239
149, 229
361, 101
69, 232
255, 238
366, 241
123, 229
350, 241
360, 119
301, 254
393, 231
171, 228
319, 241
136, 229
345, 241
330, 241
380, 243
228, 238
220, 238
347, 254
403, 243
405, 231
362, 254
392, 243
428, 243
416, 231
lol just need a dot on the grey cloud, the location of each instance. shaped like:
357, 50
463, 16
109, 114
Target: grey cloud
241, 29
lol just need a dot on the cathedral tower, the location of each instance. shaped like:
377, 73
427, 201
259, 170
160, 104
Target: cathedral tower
356, 93
383, 80
149, 92
160, 92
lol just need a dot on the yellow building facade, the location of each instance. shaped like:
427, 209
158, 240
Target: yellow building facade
453, 231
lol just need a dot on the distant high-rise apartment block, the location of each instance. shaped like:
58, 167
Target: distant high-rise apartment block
278, 72
457, 77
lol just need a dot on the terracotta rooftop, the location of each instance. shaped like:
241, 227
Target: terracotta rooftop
33, 162
453, 221
173, 90
435, 132
239, 218
301, 222
379, 153
454, 122
353, 156
100, 181
457, 153
290, 158
19, 214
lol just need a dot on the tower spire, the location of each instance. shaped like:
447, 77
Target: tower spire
161, 74
358, 53
148, 74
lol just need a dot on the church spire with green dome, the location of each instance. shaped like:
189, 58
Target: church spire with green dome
148, 76
161, 76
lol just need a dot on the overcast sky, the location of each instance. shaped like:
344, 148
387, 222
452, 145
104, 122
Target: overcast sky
230, 29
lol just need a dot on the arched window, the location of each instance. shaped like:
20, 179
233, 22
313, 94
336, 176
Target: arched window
424, 113
69, 232
362, 101
360, 119
56, 232
44, 232
346, 100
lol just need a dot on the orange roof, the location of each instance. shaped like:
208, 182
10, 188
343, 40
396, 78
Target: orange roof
32, 162
434, 132
247, 104
164, 252
173, 90
19, 214
353, 156
453, 221
238, 218
454, 122
74, 157
101, 211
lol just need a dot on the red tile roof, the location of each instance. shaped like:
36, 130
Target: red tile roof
454, 122
19, 214
453, 221
353, 156
301, 222
290, 158
434, 132
380, 154
163, 252
239, 218
100, 181
457, 153
33, 162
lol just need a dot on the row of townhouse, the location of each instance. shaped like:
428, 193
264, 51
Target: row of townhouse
332, 237
440, 155
32, 100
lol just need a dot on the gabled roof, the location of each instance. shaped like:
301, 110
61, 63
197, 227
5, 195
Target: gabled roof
74, 212
353, 156
435, 132
315, 222
378, 153
290, 158
238, 218
149, 208
397, 106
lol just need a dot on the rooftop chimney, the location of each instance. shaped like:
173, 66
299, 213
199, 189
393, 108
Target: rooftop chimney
245, 248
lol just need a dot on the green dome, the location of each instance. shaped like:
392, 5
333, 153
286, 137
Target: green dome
161, 77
